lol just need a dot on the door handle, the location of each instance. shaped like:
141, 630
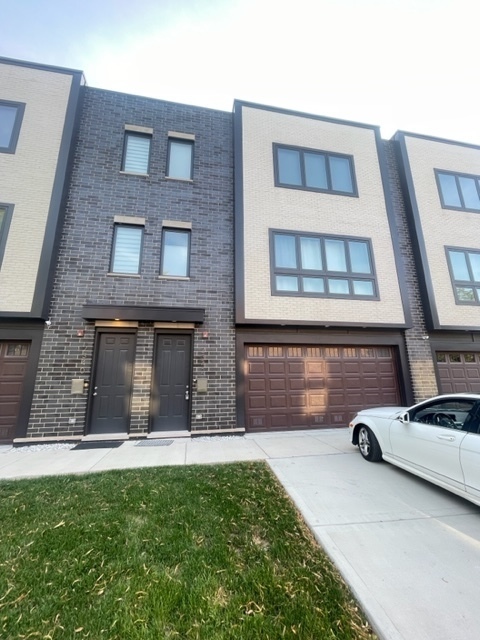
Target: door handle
449, 438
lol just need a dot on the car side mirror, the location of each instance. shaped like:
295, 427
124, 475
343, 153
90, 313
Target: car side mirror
404, 418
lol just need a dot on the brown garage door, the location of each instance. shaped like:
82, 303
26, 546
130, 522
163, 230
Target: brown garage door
458, 371
13, 365
301, 387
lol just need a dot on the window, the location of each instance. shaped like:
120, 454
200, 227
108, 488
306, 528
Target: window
322, 266
11, 115
136, 152
300, 168
458, 191
180, 159
6, 211
451, 413
465, 273
127, 249
175, 253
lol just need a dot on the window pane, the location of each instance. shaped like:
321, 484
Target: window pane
137, 153
338, 286
474, 264
127, 247
340, 173
287, 283
359, 258
465, 294
362, 287
310, 253
335, 253
313, 285
469, 192
459, 265
7, 122
175, 253
180, 159
315, 170
3, 215
448, 186
285, 251
289, 167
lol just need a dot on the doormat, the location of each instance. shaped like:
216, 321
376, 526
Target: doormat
154, 443
99, 444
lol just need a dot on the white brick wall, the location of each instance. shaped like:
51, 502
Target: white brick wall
26, 177
444, 227
267, 206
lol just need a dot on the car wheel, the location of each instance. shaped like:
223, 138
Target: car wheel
368, 445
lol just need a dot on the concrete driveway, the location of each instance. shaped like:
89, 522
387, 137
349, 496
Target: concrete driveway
409, 551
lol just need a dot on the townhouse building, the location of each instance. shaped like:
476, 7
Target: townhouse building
441, 183
39, 107
142, 337
168, 270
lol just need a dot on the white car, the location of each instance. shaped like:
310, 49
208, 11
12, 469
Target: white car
438, 439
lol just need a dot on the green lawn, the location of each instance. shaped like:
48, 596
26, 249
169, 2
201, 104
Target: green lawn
207, 552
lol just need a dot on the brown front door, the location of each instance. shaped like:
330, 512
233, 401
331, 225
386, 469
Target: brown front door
13, 366
171, 382
112, 383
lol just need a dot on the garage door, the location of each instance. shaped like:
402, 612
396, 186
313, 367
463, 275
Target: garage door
13, 365
458, 371
301, 387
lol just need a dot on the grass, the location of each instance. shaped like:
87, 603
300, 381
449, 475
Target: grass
201, 552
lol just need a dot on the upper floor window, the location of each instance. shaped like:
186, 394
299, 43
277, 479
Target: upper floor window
175, 259
301, 168
127, 248
136, 152
180, 158
323, 266
11, 115
465, 273
458, 191
5, 217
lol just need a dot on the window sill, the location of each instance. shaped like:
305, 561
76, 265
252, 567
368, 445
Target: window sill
179, 179
124, 275
133, 173
173, 277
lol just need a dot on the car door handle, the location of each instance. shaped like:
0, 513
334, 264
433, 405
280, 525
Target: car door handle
449, 438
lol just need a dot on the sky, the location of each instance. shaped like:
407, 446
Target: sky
410, 65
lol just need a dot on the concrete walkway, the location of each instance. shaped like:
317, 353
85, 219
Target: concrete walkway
409, 550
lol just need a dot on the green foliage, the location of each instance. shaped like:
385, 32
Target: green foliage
200, 552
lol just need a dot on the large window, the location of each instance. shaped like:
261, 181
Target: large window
465, 272
11, 114
180, 159
458, 191
136, 152
175, 253
300, 168
5, 217
127, 249
323, 266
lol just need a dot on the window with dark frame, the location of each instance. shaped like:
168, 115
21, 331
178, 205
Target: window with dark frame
11, 115
175, 259
458, 190
301, 168
136, 152
180, 159
322, 266
6, 211
127, 249
464, 265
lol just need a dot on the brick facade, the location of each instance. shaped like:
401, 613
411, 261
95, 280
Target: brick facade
422, 371
99, 191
